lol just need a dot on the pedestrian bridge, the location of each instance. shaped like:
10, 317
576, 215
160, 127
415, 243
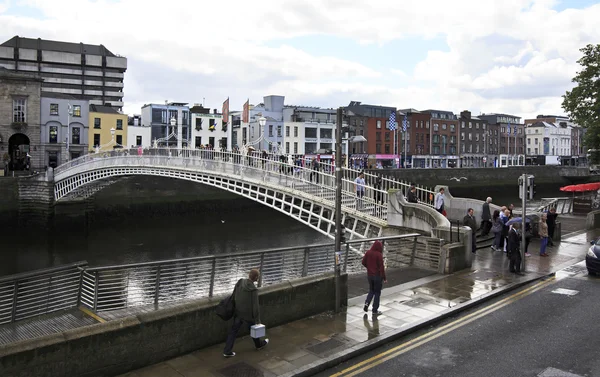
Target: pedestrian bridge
305, 194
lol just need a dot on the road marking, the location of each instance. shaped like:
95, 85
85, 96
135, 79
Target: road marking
405, 347
90, 313
563, 291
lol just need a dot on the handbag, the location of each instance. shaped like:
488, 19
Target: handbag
226, 307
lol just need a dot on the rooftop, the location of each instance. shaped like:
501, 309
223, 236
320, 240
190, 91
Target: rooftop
10, 74
48, 45
103, 109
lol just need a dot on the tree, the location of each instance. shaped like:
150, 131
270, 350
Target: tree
582, 104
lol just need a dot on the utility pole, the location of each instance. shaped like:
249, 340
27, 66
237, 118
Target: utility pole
338, 204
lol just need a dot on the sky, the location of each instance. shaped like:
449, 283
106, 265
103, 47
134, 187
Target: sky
511, 56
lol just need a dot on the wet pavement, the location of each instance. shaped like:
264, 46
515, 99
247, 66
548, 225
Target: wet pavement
312, 344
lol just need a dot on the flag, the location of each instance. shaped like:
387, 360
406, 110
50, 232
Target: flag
392, 123
516, 129
246, 112
225, 111
405, 123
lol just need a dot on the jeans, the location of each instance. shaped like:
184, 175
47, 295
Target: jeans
497, 238
375, 285
543, 245
235, 328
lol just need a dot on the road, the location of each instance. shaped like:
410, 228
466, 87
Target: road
534, 331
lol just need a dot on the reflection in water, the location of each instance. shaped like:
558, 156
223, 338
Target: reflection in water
372, 329
134, 239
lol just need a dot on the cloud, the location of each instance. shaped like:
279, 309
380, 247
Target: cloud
516, 56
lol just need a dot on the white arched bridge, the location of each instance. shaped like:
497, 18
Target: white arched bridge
299, 189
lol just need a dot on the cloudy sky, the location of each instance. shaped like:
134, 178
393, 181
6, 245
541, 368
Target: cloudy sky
512, 56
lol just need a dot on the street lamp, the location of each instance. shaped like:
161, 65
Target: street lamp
112, 140
262, 121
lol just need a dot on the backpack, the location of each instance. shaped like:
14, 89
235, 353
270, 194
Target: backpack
226, 308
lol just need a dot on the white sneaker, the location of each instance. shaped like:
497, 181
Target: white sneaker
527, 254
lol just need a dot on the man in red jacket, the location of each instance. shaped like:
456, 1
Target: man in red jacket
373, 261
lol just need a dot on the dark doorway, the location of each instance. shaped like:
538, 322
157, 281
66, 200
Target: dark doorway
18, 150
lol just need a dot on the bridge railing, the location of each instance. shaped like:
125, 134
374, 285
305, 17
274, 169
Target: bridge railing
125, 286
39, 292
563, 205
298, 174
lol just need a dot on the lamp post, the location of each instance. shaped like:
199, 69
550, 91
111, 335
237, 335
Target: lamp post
112, 140
262, 121
179, 132
338, 203
69, 113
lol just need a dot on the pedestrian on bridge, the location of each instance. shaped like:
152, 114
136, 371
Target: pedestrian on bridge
486, 218
247, 311
373, 261
359, 188
469, 220
439, 201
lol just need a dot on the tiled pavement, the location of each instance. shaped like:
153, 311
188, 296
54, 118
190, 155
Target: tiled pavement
307, 343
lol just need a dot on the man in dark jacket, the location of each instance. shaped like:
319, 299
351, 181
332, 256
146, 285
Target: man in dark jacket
373, 261
469, 220
513, 248
551, 222
486, 217
411, 197
247, 311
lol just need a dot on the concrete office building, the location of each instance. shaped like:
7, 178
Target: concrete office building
86, 72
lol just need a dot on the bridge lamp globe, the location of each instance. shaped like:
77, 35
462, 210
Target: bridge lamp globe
112, 132
262, 121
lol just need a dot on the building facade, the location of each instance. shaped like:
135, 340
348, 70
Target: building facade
549, 139
138, 135
473, 141
578, 150
508, 137
107, 128
209, 129
372, 122
20, 131
87, 72
64, 128
310, 131
158, 118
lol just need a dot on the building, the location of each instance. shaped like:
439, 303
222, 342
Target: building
435, 134
475, 146
270, 137
508, 138
87, 72
578, 151
138, 135
310, 131
64, 128
372, 122
549, 139
209, 129
108, 128
158, 117
20, 120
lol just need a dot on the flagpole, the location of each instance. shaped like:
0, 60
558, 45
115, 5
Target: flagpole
405, 139
516, 155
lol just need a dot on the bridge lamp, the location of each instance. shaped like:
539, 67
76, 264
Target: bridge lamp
173, 121
262, 121
112, 133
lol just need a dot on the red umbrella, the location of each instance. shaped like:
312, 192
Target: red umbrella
570, 188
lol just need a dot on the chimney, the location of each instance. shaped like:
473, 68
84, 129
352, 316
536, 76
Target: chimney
214, 111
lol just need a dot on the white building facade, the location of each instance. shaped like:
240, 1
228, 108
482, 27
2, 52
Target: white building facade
209, 129
138, 135
549, 139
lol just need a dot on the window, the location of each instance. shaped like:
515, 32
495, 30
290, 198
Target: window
462, 136
287, 147
528, 141
76, 135
536, 141
311, 133
54, 109
287, 131
295, 147
436, 138
120, 139
19, 110
97, 123
77, 111
198, 141
378, 136
436, 127
476, 137
378, 148
462, 125
470, 125
427, 125
452, 127
379, 126
387, 149
483, 126
477, 127
96, 140
444, 126
119, 124
326, 133
198, 124
470, 136
295, 131
279, 131
185, 116
138, 141
387, 136
270, 130
53, 134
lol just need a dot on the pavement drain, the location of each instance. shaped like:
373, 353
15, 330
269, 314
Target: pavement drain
240, 370
324, 347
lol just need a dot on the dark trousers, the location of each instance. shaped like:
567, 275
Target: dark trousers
474, 242
550, 235
515, 262
235, 328
486, 226
375, 285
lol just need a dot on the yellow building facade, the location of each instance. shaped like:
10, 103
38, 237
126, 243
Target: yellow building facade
104, 119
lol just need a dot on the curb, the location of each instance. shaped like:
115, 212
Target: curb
364, 347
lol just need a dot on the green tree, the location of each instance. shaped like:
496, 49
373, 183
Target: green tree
582, 104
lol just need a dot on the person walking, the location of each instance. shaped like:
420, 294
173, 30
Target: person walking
551, 221
486, 217
359, 188
439, 201
247, 311
411, 197
469, 220
373, 261
497, 230
543, 231
377, 194
514, 249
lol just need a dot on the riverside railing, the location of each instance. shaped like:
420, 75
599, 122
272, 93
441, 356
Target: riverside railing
563, 205
299, 173
125, 286
39, 292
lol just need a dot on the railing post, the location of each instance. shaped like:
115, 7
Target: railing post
260, 276
80, 285
346, 256
458, 230
96, 283
305, 262
14, 305
414, 251
157, 285
211, 288
451, 227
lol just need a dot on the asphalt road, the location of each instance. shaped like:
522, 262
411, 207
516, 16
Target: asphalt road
523, 333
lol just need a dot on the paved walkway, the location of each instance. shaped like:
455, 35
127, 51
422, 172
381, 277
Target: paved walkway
311, 343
